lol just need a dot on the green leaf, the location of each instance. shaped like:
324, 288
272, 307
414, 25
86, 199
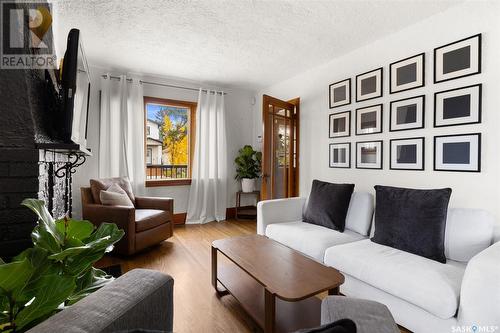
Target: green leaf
79, 259
45, 233
45, 240
75, 229
14, 275
52, 290
88, 283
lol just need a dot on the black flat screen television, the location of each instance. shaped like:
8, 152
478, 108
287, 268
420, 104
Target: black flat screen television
75, 92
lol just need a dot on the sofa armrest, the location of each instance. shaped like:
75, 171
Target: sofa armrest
139, 299
166, 204
278, 211
480, 290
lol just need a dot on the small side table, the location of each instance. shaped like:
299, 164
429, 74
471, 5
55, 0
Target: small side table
246, 212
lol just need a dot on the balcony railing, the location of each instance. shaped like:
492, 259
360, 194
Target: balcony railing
166, 171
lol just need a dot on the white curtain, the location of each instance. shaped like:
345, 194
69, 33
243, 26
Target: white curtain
208, 193
121, 142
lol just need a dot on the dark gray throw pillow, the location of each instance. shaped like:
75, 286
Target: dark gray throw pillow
328, 204
412, 220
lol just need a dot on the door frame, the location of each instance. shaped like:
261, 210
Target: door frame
293, 186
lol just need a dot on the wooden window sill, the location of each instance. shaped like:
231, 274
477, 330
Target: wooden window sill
168, 182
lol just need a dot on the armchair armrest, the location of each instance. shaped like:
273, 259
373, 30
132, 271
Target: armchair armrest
278, 211
122, 216
480, 289
139, 299
166, 204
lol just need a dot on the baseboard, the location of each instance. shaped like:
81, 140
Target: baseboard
180, 218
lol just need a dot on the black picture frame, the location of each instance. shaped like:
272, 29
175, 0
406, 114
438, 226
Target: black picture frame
478, 64
348, 90
422, 125
381, 82
421, 139
348, 124
381, 120
381, 142
477, 170
330, 162
479, 106
422, 84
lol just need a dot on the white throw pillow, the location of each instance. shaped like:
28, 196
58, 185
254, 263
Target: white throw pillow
115, 196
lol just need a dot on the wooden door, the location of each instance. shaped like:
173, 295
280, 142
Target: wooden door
280, 156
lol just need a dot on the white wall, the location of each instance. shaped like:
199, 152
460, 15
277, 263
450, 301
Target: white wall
239, 114
479, 190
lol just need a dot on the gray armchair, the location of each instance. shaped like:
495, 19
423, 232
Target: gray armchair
140, 299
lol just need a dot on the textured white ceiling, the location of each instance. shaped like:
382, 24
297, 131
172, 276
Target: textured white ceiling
231, 43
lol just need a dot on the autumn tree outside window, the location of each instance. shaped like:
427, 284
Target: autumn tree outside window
169, 141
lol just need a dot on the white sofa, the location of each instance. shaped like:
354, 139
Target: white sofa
423, 295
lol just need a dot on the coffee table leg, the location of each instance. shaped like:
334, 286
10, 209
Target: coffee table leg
214, 274
270, 312
334, 291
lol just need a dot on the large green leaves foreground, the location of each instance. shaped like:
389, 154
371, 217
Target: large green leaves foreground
56, 272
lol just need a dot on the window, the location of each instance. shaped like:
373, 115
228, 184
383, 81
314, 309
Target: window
169, 141
149, 154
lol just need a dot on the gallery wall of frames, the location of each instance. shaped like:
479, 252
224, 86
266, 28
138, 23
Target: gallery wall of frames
359, 117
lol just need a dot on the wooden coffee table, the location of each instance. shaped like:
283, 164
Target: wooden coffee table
274, 284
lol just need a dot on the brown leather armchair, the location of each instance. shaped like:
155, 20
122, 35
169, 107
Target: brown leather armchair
148, 223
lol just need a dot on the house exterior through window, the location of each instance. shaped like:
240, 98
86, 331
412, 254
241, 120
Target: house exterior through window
169, 141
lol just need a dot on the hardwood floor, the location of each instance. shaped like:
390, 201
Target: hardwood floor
186, 257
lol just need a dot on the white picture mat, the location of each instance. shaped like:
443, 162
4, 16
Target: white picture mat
473, 157
347, 163
378, 85
376, 129
347, 116
345, 101
378, 160
419, 142
474, 59
419, 101
419, 60
474, 93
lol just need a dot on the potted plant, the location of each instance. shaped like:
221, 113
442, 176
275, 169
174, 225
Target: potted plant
248, 167
56, 272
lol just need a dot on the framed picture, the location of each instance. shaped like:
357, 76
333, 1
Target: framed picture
458, 152
340, 155
457, 59
340, 125
407, 114
369, 120
458, 106
369, 155
407, 74
407, 154
369, 85
340, 93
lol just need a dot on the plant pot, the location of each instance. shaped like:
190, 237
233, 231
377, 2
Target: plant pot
247, 185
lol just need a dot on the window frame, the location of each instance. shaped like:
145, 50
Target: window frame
191, 136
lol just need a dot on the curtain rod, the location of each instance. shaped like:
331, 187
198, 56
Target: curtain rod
160, 84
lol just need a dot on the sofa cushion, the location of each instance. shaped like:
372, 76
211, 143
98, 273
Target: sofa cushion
468, 232
146, 219
360, 213
433, 286
412, 220
328, 204
98, 185
310, 239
